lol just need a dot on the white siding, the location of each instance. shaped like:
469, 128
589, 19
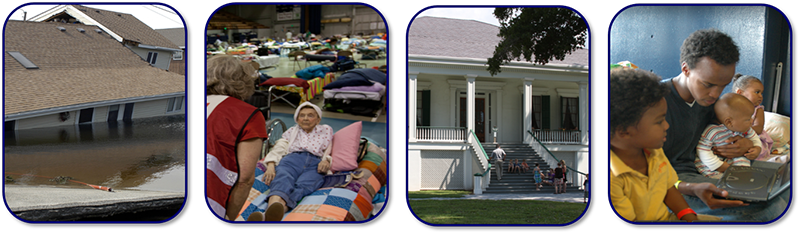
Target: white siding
442, 169
101, 114
140, 110
46, 121
162, 61
150, 109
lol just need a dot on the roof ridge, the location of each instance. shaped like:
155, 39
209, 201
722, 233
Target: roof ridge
440, 17
98, 9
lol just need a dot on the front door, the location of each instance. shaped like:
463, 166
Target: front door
480, 116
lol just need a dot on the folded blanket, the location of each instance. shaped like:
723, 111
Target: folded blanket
312, 72
369, 73
375, 87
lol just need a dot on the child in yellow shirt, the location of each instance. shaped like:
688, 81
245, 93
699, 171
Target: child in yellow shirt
642, 179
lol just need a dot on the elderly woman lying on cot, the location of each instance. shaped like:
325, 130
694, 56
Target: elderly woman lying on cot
297, 163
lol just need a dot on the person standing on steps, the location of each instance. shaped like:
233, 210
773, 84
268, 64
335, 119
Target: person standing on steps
558, 179
499, 154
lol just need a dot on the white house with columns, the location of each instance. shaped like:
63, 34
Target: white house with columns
454, 104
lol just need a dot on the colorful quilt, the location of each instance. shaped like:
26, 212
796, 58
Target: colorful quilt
359, 200
314, 87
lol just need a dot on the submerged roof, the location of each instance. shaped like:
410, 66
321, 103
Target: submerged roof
435, 36
75, 68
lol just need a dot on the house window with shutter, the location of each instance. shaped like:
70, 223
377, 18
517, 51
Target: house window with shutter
569, 113
174, 104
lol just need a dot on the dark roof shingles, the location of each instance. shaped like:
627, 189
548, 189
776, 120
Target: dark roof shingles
75, 68
447, 37
127, 26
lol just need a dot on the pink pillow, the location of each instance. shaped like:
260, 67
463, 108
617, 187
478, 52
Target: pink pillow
344, 151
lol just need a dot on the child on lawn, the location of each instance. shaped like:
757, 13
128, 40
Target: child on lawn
734, 112
752, 88
642, 178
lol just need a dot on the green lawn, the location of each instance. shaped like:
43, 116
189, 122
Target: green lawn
437, 193
496, 211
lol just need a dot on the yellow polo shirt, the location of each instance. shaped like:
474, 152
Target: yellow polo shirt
639, 197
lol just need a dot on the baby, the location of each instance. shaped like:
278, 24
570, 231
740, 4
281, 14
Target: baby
752, 88
734, 113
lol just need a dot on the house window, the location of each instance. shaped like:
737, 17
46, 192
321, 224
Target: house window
569, 113
423, 108
537, 112
541, 112
152, 57
86, 115
113, 113
9, 125
174, 104
177, 55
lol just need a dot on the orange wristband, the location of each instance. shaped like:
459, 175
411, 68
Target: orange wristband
684, 212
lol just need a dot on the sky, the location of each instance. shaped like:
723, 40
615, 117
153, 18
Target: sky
469, 13
155, 16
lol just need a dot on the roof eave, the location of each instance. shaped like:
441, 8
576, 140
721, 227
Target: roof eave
48, 111
482, 63
158, 48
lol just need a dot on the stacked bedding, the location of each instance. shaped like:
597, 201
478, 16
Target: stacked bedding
358, 84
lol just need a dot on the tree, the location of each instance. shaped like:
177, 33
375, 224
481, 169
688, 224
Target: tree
537, 35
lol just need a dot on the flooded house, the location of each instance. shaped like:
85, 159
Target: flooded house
82, 104
59, 74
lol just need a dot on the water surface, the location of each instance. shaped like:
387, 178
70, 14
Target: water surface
148, 154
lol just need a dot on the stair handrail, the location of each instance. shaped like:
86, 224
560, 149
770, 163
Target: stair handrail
482, 151
551, 153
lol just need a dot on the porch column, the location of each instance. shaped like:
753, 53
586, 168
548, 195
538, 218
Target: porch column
470, 103
498, 111
583, 105
412, 106
527, 109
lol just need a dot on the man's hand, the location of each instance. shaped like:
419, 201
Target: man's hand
737, 147
323, 166
269, 174
706, 192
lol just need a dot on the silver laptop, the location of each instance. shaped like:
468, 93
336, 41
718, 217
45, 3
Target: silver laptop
761, 181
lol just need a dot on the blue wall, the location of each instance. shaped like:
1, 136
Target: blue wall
651, 36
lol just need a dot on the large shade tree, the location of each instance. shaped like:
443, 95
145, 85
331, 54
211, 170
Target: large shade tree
537, 35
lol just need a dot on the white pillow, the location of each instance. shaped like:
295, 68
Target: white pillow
777, 126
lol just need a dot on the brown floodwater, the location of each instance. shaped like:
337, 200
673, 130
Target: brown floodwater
145, 154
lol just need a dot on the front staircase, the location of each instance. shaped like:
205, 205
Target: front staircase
519, 182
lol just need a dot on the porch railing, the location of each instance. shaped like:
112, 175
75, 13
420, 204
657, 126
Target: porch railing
558, 136
441, 134
552, 160
481, 179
